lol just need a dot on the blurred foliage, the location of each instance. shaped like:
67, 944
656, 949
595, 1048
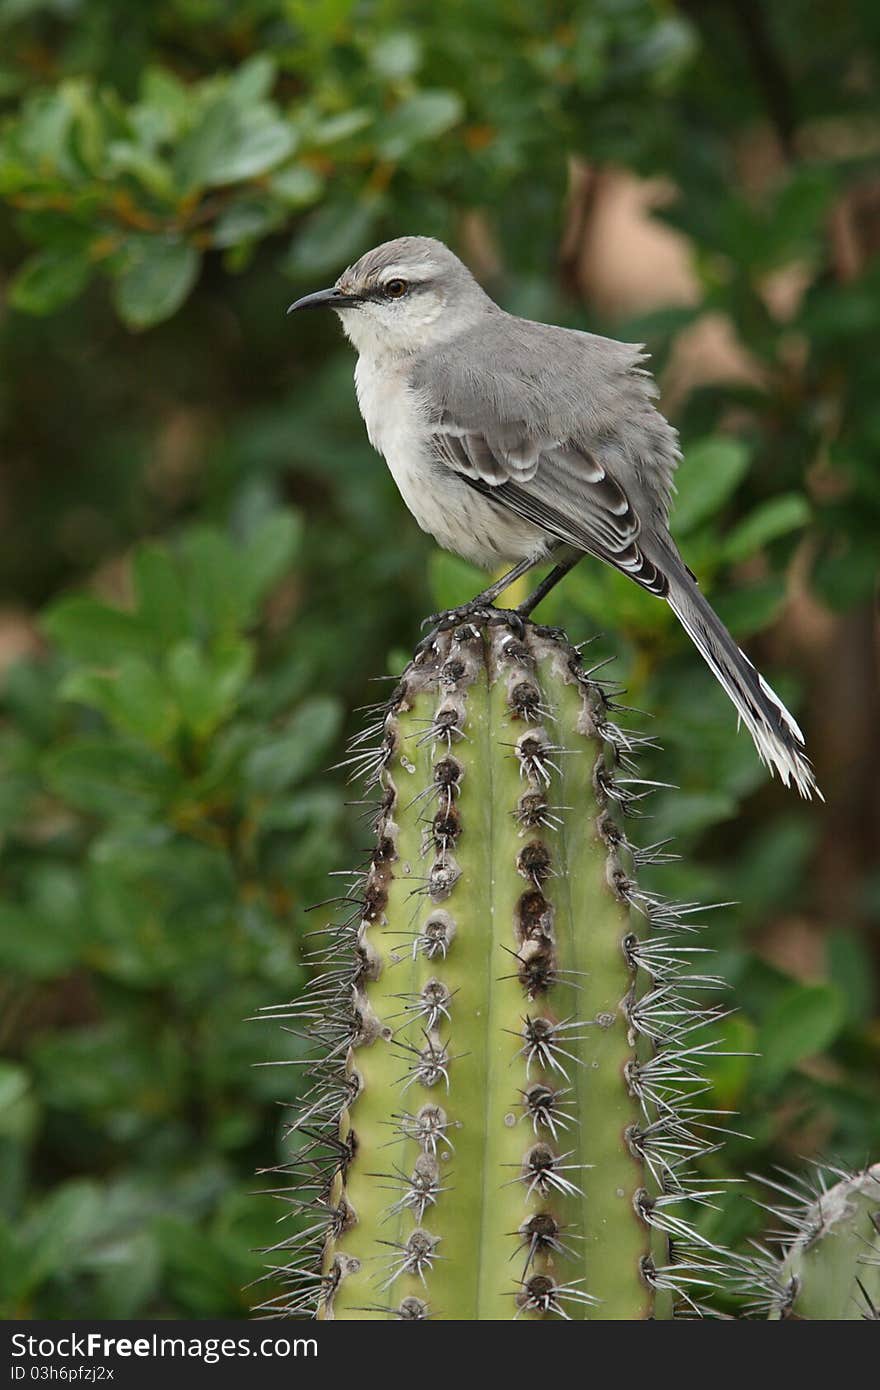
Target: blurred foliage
195, 516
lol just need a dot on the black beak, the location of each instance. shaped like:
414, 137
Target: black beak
325, 299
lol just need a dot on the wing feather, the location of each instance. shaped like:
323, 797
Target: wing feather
560, 427
563, 490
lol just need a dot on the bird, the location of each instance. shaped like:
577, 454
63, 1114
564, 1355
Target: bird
517, 442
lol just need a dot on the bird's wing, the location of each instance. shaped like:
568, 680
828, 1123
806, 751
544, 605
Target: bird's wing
561, 428
561, 487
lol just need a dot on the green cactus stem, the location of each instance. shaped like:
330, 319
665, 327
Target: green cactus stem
830, 1263
503, 1108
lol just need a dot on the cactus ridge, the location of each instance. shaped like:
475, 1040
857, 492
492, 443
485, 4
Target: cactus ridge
503, 1047
823, 1257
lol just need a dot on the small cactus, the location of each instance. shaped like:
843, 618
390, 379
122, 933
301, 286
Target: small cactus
503, 1107
829, 1267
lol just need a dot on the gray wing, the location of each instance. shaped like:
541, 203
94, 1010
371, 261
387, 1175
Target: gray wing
569, 495
515, 432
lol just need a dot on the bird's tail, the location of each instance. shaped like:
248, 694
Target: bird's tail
778, 739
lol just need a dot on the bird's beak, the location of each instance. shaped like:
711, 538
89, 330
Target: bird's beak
333, 298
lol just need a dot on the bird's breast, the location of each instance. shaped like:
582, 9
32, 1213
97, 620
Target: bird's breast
389, 406
396, 426
441, 501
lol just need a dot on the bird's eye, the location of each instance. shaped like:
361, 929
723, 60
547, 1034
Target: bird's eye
395, 288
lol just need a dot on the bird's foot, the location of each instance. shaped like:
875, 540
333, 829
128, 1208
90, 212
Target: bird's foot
510, 617
446, 620
476, 611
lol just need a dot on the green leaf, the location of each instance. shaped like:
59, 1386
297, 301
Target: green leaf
14, 1085
299, 750
161, 603
298, 186
231, 143
689, 813
218, 603
396, 54
101, 1070
110, 777
158, 274
246, 220
61, 1227
796, 226
19, 1112
260, 142
204, 145
331, 237
752, 607
206, 685
207, 1279
269, 553
850, 969
314, 811
846, 573
165, 95
133, 698
453, 580
729, 1067
804, 1021
707, 476
341, 126
253, 80
36, 943
125, 157
92, 631
49, 280
422, 117
776, 517
127, 1268
598, 590
45, 129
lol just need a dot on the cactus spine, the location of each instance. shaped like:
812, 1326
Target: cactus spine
503, 1109
830, 1237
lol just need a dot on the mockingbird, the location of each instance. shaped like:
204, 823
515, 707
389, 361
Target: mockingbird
521, 442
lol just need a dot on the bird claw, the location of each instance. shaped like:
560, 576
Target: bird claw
512, 618
469, 612
442, 622
450, 617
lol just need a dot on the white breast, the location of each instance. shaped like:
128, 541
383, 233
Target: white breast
396, 427
458, 518
391, 414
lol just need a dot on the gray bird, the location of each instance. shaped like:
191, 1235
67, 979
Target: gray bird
519, 442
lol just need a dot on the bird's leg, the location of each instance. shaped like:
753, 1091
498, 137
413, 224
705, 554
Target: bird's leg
439, 622
558, 572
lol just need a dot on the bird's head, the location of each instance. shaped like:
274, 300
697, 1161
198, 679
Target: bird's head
402, 297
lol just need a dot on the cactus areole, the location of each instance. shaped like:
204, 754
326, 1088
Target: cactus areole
502, 1108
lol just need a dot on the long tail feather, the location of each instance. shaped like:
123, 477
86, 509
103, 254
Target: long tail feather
778, 739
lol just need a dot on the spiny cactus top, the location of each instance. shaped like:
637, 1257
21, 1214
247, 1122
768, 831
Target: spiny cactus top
829, 1230
504, 1105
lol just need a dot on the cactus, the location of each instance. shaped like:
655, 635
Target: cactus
829, 1266
504, 1106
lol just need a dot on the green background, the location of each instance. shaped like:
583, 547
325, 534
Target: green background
204, 569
